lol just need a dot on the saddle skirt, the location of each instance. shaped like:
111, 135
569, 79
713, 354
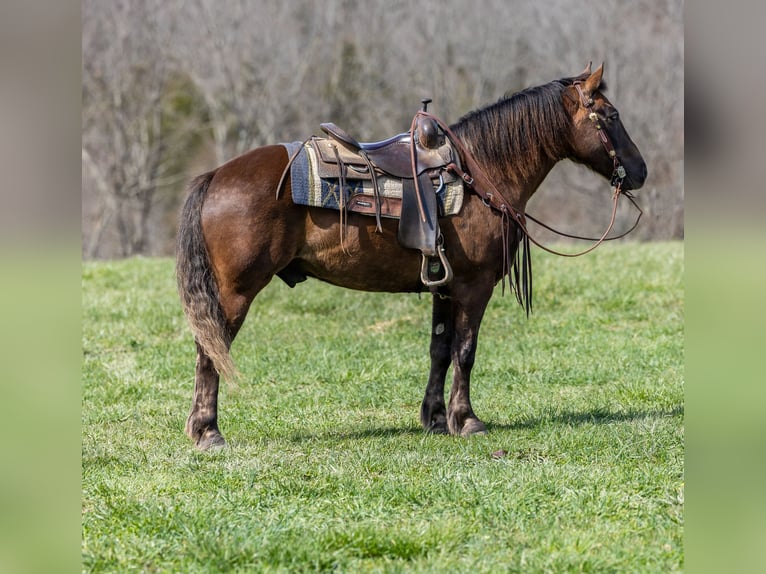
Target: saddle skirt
315, 181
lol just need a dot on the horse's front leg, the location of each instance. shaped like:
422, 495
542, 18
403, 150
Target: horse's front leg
468, 306
433, 411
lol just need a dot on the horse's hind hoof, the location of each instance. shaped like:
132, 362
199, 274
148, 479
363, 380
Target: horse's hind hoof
211, 441
473, 427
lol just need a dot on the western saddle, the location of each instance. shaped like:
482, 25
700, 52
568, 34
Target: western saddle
420, 159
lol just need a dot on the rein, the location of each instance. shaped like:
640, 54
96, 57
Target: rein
492, 197
598, 240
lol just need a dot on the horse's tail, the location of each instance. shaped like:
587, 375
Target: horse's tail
197, 284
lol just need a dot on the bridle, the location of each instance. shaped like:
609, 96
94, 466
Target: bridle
618, 173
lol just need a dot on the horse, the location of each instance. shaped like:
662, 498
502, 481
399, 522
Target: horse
237, 232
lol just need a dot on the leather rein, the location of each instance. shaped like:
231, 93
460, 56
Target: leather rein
475, 178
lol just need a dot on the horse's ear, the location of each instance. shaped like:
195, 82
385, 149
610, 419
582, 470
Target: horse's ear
594, 80
586, 71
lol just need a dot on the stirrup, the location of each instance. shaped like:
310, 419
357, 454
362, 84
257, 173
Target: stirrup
447, 268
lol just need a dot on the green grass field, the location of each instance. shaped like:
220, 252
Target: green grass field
328, 468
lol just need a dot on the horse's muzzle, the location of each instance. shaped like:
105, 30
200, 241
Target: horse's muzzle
635, 176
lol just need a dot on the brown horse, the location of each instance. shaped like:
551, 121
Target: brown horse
236, 234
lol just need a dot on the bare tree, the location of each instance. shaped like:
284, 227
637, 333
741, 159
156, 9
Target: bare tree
124, 141
258, 72
251, 74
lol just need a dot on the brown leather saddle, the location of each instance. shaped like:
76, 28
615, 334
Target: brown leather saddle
419, 159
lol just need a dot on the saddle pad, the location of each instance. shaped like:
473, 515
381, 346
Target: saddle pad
310, 189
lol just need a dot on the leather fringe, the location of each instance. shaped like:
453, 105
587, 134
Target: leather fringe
342, 201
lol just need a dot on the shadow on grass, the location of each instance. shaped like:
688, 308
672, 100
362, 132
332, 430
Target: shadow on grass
370, 432
595, 416
569, 418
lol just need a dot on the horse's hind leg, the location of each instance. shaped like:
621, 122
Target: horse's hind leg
202, 423
234, 235
433, 411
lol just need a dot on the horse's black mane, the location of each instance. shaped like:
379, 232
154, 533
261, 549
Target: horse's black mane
520, 130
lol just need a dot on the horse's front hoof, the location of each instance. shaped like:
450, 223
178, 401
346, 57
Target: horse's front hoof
211, 440
473, 427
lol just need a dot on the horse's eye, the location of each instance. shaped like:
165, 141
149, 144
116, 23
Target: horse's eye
613, 116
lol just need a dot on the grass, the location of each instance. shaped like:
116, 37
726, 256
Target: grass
328, 468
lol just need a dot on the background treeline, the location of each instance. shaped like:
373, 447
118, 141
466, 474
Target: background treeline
172, 88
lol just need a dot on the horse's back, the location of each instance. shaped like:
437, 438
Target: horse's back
249, 180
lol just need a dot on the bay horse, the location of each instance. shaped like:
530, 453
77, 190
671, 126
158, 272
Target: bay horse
237, 232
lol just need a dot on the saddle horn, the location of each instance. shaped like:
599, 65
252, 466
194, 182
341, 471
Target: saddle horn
428, 133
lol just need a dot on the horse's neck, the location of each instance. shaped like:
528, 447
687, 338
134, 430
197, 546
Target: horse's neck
515, 182
522, 187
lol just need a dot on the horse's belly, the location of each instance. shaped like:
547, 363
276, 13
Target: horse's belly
365, 259
369, 274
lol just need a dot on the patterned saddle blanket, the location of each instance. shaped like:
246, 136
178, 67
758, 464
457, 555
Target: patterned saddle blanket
315, 183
